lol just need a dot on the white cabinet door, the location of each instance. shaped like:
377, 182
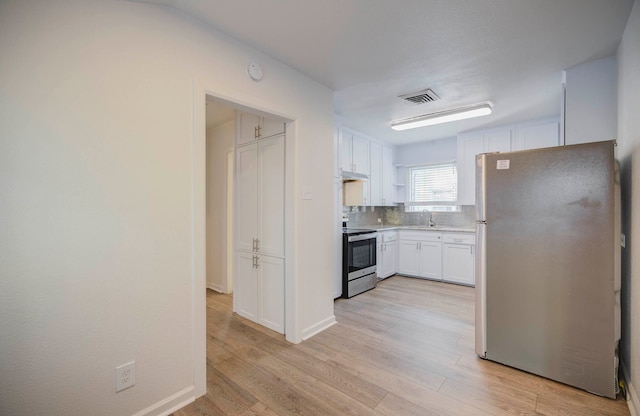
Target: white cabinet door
387, 253
468, 148
537, 136
260, 197
431, 259
458, 263
345, 154
375, 177
388, 176
470, 145
360, 154
271, 196
259, 290
252, 127
247, 126
269, 127
379, 256
246, 197
409, 257
498, 140
271, 292
245, 293
389, 258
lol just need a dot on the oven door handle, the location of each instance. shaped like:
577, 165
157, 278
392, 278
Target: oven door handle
361, 237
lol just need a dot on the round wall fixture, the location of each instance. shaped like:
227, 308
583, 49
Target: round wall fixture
255, 71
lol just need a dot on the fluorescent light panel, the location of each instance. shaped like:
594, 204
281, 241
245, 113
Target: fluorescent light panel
446, 116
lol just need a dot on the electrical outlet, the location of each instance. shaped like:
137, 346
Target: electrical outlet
125, 376
379, 220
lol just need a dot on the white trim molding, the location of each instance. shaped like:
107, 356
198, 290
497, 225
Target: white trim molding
632, 397
632, 401
318, 327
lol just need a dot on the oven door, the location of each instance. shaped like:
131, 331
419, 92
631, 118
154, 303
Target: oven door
361, 255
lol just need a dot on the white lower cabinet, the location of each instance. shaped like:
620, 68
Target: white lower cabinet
458, 258
420, 254
387, 253
261, 280
438, 256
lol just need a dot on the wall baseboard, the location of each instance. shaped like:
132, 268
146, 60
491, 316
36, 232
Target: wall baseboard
632, 396
319, 327
170, 404
215, 287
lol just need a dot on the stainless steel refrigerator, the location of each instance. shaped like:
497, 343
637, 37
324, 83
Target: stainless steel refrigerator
548, 263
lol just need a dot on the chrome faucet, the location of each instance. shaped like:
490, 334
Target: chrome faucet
430, 222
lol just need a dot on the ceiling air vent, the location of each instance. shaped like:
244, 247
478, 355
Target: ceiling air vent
420, 97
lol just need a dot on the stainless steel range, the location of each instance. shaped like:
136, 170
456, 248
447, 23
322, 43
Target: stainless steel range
359, 267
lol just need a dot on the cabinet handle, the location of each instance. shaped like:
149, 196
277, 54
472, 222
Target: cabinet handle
257, 244
471, 249
259, 131
257, 264
255, 132
254, 262
417, 248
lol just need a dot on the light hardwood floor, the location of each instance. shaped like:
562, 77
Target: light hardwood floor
404, 348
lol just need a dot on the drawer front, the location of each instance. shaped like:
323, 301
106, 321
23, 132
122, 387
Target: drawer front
459, 238
389, 236
420, 235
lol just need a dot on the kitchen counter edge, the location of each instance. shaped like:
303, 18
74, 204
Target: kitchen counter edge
418, 228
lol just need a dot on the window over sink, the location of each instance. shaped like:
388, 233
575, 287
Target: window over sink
433, 187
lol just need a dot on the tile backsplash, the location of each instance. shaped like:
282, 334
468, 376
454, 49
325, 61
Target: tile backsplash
363, 216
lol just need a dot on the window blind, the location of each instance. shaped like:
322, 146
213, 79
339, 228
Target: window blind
435, 184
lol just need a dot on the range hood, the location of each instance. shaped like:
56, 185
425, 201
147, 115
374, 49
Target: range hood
354, 176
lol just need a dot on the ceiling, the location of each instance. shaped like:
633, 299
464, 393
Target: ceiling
508, 52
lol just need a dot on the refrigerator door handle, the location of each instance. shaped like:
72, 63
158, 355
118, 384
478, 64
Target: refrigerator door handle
481, 291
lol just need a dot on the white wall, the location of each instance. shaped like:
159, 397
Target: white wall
219, 143
591, 101
629, 156
427, 152
101, 261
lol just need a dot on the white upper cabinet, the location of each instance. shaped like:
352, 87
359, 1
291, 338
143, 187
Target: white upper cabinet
372, 158
375, 177
468, 148
252, 127
388, 176
470, 145
355, 152
346, 162
523, 136
537, 136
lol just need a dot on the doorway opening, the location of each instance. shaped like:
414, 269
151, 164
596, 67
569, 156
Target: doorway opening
226, 215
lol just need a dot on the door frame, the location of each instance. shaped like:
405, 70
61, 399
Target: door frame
293, 332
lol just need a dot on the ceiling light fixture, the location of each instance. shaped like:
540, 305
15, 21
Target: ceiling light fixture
446, 116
